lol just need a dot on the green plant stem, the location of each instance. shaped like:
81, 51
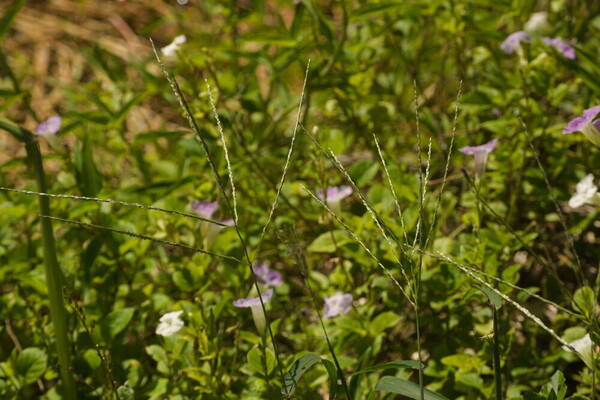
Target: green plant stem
54, 278
497, 367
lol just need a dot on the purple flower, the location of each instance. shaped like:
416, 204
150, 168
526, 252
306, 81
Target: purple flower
204, 209
266, 275
586, 125
481, 153
485, 148
260, 320
562, 46
334, 193
513, 42
49, 126
254, 301
339, 303
577, 124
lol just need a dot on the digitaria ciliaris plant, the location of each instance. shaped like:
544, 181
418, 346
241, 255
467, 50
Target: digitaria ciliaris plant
409, 252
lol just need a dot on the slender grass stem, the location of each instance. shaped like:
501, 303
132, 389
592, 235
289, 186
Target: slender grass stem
111, 201
139, 236
497, 366
54, 278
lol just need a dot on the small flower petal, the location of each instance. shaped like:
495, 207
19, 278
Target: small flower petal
577, 124
254, 301
49, 126
485, 148
170, 323
339, 303
170, 49
267, 276
513, 41
334, 193
204, 209
562, 46
585, 191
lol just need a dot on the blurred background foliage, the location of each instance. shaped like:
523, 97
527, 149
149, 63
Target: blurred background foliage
123, 137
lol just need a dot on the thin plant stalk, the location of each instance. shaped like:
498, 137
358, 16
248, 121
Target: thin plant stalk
54, 278
497, 367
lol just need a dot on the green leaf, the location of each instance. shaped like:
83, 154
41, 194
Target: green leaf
383, 321
391, 365
328, 242
15, 130
89, 179
493, 297
291, 378
115, 322
31, 364
584, 300
159, 355
405, 388
9, 15
333, 377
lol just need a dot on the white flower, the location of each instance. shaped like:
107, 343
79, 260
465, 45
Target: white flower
170, 49
585, 192
170, 323
537, 22
583, 347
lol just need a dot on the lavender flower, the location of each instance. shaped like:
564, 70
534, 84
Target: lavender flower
481, 153
253, 303
170, 323
339, 303
267, 276
172, 47
334, 195
209, 230
204, 209
49, 126
586, 125
561, 45
586, 192
513, 42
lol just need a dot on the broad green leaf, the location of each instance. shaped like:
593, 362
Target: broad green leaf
383, 321
584, 300
328, 242
405, 388
31, 364
115, 322
291, 378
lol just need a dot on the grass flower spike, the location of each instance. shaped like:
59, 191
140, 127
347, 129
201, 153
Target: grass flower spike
170, 323
586, 192
49, 126
266, 275
586, 125
513, 42
170, 49
339, 303
562, 46
481, 153
584, 347
257, 313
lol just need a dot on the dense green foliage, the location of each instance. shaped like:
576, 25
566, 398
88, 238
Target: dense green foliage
413, 73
